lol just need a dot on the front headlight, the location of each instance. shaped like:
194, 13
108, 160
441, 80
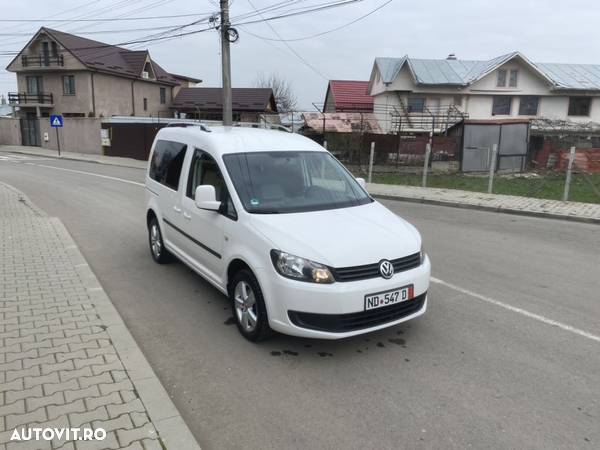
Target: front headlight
300, 269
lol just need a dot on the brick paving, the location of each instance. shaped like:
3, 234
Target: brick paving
586, 212
60, 366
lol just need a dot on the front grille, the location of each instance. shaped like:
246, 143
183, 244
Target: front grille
340, 323
372, 270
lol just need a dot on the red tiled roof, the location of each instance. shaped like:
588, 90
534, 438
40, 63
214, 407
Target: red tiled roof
350, 95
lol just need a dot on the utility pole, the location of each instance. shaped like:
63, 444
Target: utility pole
226, 63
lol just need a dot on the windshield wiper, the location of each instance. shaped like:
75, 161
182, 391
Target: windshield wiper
265, 211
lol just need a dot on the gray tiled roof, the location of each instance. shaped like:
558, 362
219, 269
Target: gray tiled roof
458, 72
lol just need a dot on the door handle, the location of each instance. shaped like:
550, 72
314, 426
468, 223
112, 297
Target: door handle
177, 209
187, 216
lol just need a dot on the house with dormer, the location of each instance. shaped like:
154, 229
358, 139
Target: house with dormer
434, 94
60, 73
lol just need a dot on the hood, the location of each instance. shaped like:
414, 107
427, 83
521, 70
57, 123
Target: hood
341, 237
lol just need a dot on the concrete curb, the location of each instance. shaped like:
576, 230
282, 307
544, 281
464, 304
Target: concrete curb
171, 427
172, 430
497, 209
74, 158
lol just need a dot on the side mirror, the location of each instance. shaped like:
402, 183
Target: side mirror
362, 183
206, 198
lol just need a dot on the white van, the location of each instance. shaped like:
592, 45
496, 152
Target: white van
278, 225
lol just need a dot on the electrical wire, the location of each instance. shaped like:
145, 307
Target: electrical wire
145, 39
324, 32
290, 48
106, 19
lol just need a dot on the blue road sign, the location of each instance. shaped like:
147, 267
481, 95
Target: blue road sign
56, 121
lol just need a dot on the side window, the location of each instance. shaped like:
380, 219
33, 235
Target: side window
167, 161
205, 170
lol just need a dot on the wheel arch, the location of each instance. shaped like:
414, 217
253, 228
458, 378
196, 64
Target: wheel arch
234, 266
150, 214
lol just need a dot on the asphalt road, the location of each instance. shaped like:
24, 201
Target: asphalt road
508, 355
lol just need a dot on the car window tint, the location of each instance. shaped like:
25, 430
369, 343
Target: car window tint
166, 163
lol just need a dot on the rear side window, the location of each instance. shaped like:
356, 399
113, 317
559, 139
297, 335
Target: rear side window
167, 161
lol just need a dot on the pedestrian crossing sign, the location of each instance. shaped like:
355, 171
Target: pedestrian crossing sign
56, 121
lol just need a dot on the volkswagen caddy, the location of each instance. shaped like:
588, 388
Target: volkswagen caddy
277, 224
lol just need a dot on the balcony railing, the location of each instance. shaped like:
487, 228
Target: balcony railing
42, 60
23, 98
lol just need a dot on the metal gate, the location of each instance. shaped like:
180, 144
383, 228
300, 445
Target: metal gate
30, 131
479, 138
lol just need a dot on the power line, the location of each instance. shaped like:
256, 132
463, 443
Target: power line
304, 61
145, 39
102, 31
307, 11
328, 31
106, 19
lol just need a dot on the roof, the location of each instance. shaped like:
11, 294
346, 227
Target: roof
342, 122
223, 140
110, 58
456, 72
211, 99
5, 110
186, 78
350, 95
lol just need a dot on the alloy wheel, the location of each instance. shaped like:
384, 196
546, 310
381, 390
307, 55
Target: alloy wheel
155, 241
245, 306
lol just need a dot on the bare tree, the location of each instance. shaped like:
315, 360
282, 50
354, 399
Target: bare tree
282, 91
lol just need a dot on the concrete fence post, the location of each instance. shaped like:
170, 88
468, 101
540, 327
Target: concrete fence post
426, 163
493, 160
371, 156
568, 178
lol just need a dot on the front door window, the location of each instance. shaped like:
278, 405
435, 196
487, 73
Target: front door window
204, 170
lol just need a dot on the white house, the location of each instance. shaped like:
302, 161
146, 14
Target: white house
509, 86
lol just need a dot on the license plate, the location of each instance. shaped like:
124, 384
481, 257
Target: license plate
391, 297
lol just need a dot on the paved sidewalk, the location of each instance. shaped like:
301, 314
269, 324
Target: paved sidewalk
66, 357
581, 212
47, 153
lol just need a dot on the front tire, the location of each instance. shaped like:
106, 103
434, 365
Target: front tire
248, 306
157, 247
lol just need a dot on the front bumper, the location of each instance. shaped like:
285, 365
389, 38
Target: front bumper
339, 307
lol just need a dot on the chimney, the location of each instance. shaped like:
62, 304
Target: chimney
451, 57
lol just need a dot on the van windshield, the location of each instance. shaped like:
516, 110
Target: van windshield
286, 182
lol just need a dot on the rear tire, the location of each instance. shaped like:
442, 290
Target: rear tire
157, 247
248, 307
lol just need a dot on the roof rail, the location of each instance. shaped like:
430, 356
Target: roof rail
188, 124
262, 125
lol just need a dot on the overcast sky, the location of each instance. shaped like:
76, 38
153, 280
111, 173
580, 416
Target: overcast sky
544, 30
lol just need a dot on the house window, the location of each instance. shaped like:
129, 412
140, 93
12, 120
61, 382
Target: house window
501, 105
528, 105
68, 84
579, 106
501, 81
54, 49
145, 104
34, 85
514, 75
416, 104
163, 96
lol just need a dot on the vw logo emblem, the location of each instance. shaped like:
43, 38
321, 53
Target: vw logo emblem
386, 269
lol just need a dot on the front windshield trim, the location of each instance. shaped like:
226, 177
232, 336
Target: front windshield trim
242, 185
